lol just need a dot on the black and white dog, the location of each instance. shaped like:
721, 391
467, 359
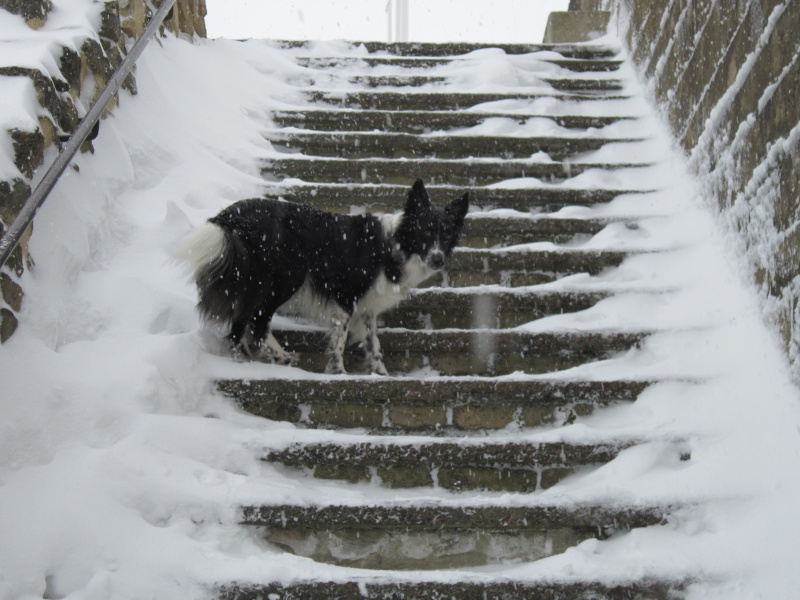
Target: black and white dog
259, 255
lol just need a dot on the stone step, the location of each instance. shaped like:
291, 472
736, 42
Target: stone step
421, 121
466, 352
450, 309
390, 198
474, 266
405, 145
456, 588
435, 50
433, 171
439, 536
420, 101
392, 81
488, 466
403, 405
563, 84
577, 65
495, 232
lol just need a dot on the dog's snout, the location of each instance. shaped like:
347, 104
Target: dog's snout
436, 260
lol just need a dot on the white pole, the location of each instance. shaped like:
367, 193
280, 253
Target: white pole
389, 16
401, 22
404, 22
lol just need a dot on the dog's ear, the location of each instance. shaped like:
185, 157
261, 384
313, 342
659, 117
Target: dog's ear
417, 197
457, 209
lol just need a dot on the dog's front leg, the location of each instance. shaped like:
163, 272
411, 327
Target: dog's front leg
338, 341
372, 347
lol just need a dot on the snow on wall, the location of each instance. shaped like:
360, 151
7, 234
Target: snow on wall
724, 76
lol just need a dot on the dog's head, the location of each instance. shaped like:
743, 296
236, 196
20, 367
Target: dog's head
427, 232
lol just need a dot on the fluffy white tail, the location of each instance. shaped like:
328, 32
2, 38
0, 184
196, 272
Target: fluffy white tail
201, 247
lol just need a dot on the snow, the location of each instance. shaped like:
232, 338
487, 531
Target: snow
121, 469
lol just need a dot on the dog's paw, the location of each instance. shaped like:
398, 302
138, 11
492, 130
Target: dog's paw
286, 359
283, 358
335, 368
379, 368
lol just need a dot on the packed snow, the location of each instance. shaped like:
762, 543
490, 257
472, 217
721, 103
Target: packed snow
121, 469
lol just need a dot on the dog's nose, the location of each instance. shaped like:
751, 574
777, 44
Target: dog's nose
436, 260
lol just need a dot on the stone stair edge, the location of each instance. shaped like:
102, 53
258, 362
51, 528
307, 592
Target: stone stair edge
500, 513
416, 48
334, 119
395, 451
345, 95
467, 388
396, 588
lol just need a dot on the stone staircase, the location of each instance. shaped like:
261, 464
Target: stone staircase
466, 382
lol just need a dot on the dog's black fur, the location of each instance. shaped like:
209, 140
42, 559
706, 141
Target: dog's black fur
257, 255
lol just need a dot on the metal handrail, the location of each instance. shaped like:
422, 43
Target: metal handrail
12, 237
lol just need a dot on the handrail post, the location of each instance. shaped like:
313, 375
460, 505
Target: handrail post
12, 237
400, 20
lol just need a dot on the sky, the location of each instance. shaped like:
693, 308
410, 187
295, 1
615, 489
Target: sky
441, 21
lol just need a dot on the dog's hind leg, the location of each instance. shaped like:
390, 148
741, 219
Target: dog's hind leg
372, 346
239, 340
266, 347
338, 341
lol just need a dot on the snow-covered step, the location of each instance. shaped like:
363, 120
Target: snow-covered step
452, 308
467, 352
493, 232
578, 65
461, 587
565, 84
463, 172
446, 99
405, 145
432, 49
432, 405
345, 197
453, 465
423, 535
524, 267
423, 121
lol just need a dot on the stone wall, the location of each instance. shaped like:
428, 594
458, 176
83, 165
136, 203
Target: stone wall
726, 74
63, 96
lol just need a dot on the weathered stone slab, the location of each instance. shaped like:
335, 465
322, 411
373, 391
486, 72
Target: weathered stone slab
391, 198
403, 145
439, 309
402, 404
421, 121
433, 171
425, 49
510, 467
436, 536
580, 65
418, 101
379, 589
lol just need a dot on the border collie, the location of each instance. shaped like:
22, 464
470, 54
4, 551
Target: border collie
257, 256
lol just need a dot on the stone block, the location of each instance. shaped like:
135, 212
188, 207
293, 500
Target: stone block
405, 477
351, 474
28, 150
33, 11
576, 26
489, 479
417, 415
8, 324
550, 477
344, 414
11, 292
483, 417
